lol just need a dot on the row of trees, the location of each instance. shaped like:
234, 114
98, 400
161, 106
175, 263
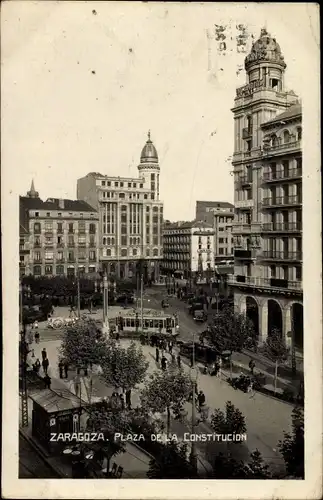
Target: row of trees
83, 345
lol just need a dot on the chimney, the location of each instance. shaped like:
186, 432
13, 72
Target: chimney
61, 203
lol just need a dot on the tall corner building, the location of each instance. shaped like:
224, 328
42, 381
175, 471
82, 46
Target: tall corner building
267, 228
130, 217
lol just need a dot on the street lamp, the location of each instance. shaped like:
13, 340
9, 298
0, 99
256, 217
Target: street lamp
105, 290
194, 375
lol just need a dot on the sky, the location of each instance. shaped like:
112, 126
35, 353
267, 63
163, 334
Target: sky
83, 82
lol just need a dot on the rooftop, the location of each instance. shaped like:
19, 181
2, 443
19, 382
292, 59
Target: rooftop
153, 313
54, 204
188, 225
214, 204
293, 111
56, 401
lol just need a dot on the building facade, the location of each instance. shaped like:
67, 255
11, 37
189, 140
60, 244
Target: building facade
220, 215
188, 248
267, 228
57, 236
130, 217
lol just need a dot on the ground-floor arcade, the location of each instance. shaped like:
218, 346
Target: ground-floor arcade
268, 313
128, 269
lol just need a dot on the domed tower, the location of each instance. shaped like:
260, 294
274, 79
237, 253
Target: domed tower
149, 167
266, 62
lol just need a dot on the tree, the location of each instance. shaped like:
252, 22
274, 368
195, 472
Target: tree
228, 468
257, 468
83, 344
166, 392
230, 421
171, 463
230, 331
292, 446
123, 367
276, 350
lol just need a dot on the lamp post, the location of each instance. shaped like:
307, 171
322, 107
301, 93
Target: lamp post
193, 455
105, 289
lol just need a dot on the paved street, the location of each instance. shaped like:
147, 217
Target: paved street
266, 418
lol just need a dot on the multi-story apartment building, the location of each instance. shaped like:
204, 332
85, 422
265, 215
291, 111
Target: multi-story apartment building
188, 248
220, 215
267, 164
57, 236
130, 215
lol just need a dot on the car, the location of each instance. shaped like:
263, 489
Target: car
200, 315
33, 313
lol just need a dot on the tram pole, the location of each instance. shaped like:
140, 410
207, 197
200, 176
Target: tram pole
141, 305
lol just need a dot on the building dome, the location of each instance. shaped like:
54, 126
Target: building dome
149, 152
265, 49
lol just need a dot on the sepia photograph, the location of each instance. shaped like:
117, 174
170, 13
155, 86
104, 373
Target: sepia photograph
161, 250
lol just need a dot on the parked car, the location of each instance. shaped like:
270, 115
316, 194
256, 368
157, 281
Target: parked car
33, 313
200, 315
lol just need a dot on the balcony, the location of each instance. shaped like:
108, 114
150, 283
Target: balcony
244, 182
49, 245
48, 232
244, 204
283, 227
49, 260
60, 261
238, 228
281, 255
280, 149
71, 231
244, 254
265, 282
71, 244
82, 231
290, 174
82, 259
37, 245
82, 244
24, 251
282, 201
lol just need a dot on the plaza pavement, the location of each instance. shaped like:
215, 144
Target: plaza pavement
266, 418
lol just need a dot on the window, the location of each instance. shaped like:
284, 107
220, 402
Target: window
49, 255
152, 177
221, 252
124, 252
36, 214
298, 274
103, 183
37, 270
129, 184
92, 241
71, 241
60, 270
272, 271
123, 240
60, 227
299, 134
221, 229
116, 184
145, 196
47, 214
37, 256
108, 252
155, 240
147, 252
122, 195
81, 227
37, 228
121, 184
60, 255
49, 241
81, 254
141, 186
221, 220
134, 185
92, 229
48, 269
152, 196
147, 239
37, 241
155, 252
59, 214
147, 209
71, 256
92, 255
286, 137
71, 228
48, 226
82, 240
134, 251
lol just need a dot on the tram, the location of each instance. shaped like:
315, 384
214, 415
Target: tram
154, 322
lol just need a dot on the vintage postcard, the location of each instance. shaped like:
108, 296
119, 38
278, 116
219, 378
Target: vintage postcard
161, 257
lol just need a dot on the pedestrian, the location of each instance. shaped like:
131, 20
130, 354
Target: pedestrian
128, 398
178, 360
47, 381
37, 337
66, 369
163, 363
220, 367
30, 336
252, 365
201, 399
45, 365
35, 325
44, 353
157, 355
36, 366
117, 336
170, 347
60, 367
122, 401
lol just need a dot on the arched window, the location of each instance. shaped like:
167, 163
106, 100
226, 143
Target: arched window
37, 270
37, 228
286, 137
299, 134
108, 241
155, 252
124, 252
104, 241
108, 252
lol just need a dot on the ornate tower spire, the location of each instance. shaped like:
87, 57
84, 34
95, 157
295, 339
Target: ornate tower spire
32, 193
148, 135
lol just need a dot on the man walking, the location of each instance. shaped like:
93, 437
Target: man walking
163, 363
45, 365
157, 355
252, 366
60, 367
128, 398
44, 354
47, 381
